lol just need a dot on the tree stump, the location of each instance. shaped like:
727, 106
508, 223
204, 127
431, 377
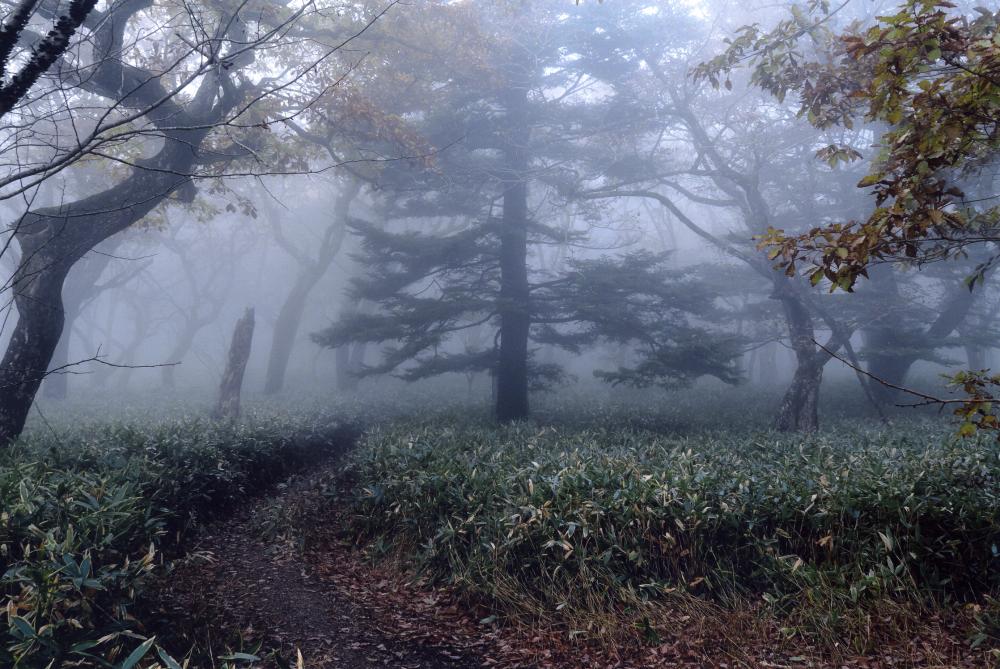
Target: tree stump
228, 407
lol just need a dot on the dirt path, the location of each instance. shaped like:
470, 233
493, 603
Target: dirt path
246, 575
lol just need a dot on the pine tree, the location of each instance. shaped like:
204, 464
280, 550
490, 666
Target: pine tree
515, 98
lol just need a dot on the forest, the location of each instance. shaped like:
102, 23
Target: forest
499, 333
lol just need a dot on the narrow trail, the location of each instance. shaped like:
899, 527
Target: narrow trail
247, 577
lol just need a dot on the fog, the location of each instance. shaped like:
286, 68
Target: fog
543, 334
496, 196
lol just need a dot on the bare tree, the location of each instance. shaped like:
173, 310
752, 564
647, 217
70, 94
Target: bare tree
312, 267
182, 134
207, 287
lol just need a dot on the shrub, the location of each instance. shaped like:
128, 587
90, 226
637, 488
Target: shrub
85, 521
567, 524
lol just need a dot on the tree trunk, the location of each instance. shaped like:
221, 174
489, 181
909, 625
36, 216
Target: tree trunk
515, 317
342, 358
183, 345
885, 365
893, 350
286, 329
346, 379
767, 364
53, 239
799, 410
349, 358
290, 316
78, 289
358, 355
37, 289
228, 407
56, 386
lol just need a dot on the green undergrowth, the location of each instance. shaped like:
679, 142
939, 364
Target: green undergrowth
89, 517
847, 539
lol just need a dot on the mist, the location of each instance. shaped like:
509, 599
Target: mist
396, 266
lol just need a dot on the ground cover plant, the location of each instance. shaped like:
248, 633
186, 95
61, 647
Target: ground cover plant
848, 539
609, 522
88, 518
625, 297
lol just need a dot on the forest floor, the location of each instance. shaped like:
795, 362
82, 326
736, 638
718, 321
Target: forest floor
248, 576
251, 576
254, 576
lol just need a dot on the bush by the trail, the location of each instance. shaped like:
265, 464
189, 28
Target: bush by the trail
582, 528
85, 520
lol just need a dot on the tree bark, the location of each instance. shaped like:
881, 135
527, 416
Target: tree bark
515, 316
42, 56
228, 407
799, 410
37, 289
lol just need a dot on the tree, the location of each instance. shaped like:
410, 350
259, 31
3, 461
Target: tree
76, 294
748, 158
666, 316
929, 78
228, 406
311, 268
662, 314
42, 55
207, 285
508, 115
207, 83
353, 125
916, 316
486, 86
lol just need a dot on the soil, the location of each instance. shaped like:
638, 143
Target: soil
242, 576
